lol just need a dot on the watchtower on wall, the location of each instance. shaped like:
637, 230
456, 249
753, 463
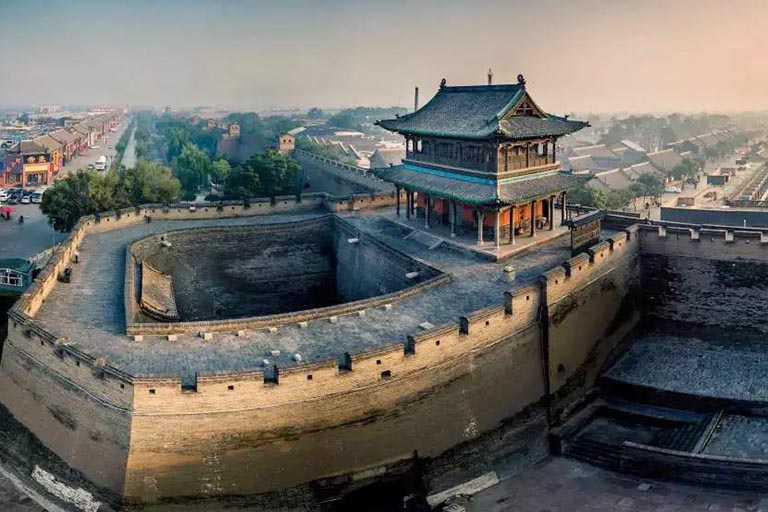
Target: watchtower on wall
483, 157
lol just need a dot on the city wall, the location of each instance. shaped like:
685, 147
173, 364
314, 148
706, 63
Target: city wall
337, 178
592, 304
242, 433
711, 280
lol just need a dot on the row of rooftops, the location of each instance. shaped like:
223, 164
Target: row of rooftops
618, 166
62, 137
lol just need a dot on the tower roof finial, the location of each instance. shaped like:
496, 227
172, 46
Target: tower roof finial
521, 80
490, 76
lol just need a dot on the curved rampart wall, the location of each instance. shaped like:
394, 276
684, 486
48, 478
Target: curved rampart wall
369, 272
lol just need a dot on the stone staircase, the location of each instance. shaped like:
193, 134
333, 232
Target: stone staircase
594, 452
425, 239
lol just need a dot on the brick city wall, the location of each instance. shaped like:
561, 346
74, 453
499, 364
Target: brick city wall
336, 178
592, 304
450, 383
706, 279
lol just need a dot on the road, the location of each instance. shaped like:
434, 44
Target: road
35, 235
129, 158
91, 155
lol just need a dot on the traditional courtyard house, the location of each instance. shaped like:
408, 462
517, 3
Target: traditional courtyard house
55, 150
665, 160
482, 158
28, 163
15, 275
68, 141
387, 157
84, 138
629, 152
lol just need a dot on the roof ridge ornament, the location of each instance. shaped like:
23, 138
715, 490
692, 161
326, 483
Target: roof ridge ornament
442, 83
521, 80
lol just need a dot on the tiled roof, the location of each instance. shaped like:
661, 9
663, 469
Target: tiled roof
385, 157
665, 160
614, 180
480, 191
641, 169
26, 146
48, 142
62, 136
476, 112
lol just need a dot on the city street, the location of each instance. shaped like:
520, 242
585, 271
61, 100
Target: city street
90, 156
31, 237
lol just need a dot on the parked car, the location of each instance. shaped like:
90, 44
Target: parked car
37, 196
3, 195
25, 199
91, 167
672, 190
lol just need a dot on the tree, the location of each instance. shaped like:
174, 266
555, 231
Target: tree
149, 183
651, 185
192, 167
315, 113
220, 171
687, 169
264, 175
88, 192
176, 139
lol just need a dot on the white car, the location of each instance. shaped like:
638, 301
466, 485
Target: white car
672, 190
3, 195
25, 200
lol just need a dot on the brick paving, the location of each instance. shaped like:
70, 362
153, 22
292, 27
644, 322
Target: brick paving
563, 485
90, 310
716, 368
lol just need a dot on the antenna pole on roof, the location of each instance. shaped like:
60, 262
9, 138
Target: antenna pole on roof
490, 76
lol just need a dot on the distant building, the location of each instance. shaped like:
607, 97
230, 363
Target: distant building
387, 157
15, 275
239, 147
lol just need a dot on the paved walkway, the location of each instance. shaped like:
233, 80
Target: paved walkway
563, 485
468, 240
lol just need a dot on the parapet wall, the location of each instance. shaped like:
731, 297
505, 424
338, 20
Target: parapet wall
592, 304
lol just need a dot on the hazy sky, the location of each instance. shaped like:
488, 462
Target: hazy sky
613, 55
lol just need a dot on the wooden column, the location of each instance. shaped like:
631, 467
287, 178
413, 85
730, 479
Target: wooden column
563, 206
452, 216
533, 218
527, 154
427, 201
397, 200
551, 213
512, 226
407, 204
479, 227
497, 230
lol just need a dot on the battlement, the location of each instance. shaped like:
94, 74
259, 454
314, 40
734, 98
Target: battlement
704, 242
580, 269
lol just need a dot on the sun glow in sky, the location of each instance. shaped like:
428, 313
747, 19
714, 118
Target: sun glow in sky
577, 55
